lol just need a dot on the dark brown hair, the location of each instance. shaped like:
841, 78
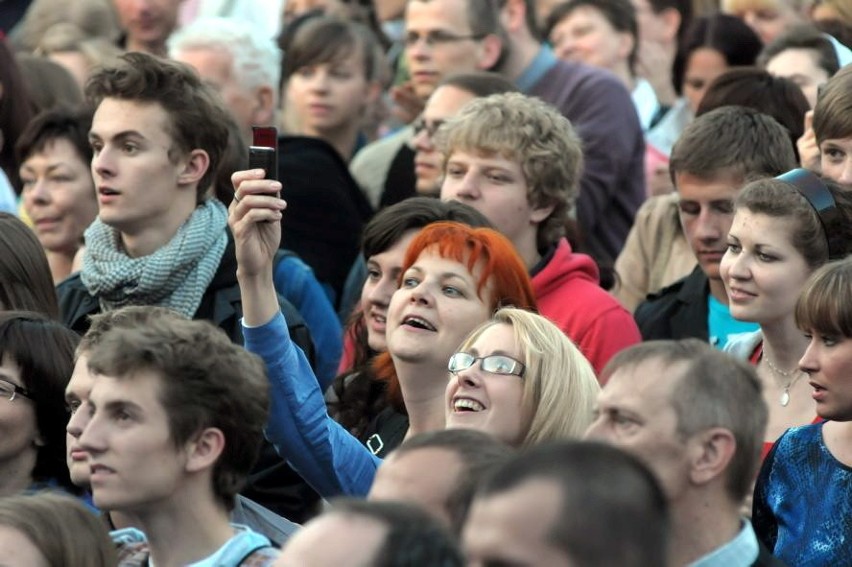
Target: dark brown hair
25, 279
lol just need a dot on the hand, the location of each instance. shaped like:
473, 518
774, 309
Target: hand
407, 105
254, 217
808, 149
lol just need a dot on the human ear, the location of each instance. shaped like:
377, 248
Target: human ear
194, 168
711, 452
205, 449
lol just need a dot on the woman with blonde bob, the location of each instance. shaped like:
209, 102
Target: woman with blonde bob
553, 399
52, 530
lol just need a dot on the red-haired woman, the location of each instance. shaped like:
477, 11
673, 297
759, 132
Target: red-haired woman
453, 278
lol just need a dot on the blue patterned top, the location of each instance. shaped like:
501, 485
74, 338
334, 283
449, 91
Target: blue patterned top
803, 501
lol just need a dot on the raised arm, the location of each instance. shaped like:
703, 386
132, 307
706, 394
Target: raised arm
326, 455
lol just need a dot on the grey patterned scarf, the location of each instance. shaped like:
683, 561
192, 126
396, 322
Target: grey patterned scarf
175, 276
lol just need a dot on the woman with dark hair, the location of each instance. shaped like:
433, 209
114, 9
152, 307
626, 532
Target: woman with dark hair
712, 45
25, 279
58, 190
36, 361
784, 228
755, 88
358, 400
802, 501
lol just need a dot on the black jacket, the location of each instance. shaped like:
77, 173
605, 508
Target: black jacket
677, 311
326, 210
272, 482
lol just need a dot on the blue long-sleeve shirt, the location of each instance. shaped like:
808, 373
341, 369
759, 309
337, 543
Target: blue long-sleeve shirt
327, 456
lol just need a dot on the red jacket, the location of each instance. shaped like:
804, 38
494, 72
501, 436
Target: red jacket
568, 294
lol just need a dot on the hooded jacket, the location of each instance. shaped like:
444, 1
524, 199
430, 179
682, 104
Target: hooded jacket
568, 293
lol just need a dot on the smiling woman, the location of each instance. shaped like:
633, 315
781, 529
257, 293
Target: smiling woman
783, 229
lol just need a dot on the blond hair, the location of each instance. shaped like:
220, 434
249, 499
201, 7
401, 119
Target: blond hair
560, 387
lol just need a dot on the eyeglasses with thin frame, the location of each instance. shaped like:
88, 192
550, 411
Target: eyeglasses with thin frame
438, 37
492, 364
421, 125
10, 391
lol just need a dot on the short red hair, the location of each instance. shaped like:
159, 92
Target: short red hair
501, 267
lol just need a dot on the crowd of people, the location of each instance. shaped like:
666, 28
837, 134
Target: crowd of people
532, 282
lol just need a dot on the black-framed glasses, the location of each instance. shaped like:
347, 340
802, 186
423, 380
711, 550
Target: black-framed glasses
493, 364
438, 37
421, 125
10, 391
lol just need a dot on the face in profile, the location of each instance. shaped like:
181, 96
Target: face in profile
436, 306
488, 395
827, 361
383, 271
58, 195
762, 271
76, 398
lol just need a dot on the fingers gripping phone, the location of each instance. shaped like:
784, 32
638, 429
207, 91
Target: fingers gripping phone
263, 152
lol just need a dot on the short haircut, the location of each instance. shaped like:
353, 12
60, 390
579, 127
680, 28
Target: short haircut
329, 39
128, 317
534, 134
50, 84
60, 123
196, 114
60, 527
612, 511
825, 304
414, 213
204, 381
560, 387
833, 110
483, 16
804, 36
710, 389
778, 199
255, 59
412, 536
43, 349
620, 14
728, 35
25, 279
16, 110
733, 140
478, 452
779, 97
480, 83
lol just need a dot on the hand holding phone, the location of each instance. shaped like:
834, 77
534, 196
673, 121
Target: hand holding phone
263, 152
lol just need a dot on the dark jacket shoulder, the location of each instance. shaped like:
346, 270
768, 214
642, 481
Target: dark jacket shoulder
677, 311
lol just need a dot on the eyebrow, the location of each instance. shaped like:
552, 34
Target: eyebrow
118, 136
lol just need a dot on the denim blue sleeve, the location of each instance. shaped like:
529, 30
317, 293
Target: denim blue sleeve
295, 281
331, 460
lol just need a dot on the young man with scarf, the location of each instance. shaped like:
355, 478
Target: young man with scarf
158, 135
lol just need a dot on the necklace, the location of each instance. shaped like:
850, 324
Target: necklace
795, 373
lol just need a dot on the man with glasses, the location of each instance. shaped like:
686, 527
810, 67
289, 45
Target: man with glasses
442, 37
